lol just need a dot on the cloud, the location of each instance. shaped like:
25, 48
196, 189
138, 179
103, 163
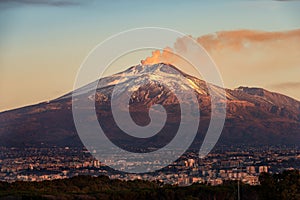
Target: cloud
247, 50
247, 57
245, 39
286, 85
58, 3
254, 52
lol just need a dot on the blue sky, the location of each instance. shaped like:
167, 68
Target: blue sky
103, 18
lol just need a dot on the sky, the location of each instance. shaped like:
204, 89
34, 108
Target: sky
43, 43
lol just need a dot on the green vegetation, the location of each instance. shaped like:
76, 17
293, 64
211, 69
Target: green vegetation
285, 186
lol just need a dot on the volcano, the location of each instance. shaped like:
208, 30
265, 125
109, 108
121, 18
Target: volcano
254, 115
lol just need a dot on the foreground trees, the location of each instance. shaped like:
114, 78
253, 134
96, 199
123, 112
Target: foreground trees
280, 186
285, 186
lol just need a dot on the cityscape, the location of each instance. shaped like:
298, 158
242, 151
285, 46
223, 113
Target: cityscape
235, 163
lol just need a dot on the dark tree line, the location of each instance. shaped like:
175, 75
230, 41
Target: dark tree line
284, 186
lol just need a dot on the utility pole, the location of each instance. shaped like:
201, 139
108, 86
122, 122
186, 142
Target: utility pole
238, 192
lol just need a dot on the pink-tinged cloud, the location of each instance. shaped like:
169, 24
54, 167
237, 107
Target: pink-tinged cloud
254, 49
246, 57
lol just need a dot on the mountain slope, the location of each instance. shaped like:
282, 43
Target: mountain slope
254, 115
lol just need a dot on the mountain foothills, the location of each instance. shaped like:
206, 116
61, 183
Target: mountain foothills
254, 115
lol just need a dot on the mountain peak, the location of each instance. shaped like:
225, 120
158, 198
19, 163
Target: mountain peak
155, 68
252, 90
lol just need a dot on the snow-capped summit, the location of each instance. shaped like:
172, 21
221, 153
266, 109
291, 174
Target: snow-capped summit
254, 115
